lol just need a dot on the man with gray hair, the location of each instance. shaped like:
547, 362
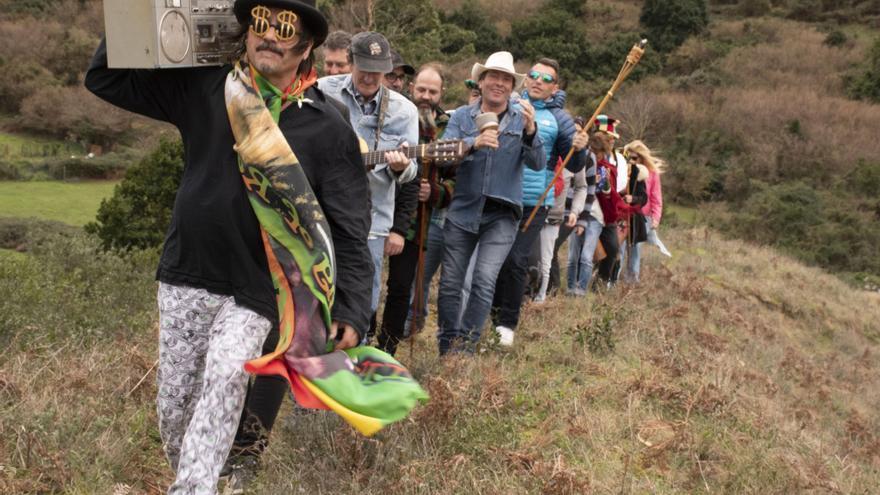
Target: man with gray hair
384, 120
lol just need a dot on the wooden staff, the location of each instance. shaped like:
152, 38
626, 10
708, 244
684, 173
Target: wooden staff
420, 266
632, 59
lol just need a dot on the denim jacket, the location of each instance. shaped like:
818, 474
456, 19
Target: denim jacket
488, 173
401, 125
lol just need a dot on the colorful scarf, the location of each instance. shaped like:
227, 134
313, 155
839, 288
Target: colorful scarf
365, 386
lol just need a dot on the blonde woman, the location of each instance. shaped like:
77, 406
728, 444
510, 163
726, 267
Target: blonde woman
640, 155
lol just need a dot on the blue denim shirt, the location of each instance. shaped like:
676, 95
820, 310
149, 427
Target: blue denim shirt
488, 173
401, 125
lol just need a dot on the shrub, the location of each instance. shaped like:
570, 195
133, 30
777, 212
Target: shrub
670, 22
557, 31
139, 212
470, 17
866, 85
67, 288
835, 38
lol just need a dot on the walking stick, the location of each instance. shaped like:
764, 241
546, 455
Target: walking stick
632, 59
420, 266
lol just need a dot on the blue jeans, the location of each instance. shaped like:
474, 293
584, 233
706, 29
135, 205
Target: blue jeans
581, 249
495, 236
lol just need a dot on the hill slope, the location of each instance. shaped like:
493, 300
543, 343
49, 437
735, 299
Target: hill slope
730, 369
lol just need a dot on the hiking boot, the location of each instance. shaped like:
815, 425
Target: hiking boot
242, 474
505, 336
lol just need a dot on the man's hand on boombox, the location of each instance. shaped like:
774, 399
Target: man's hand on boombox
396, 160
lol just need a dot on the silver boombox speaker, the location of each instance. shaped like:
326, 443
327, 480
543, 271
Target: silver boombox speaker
169, 33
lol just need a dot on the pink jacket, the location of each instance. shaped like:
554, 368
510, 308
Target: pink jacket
654, 208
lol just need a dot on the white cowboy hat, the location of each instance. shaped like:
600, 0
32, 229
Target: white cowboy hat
502, 62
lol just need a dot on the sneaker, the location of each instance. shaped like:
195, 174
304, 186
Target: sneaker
505, 336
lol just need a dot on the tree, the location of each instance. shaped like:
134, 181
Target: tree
139, 212
670, 22
555, 31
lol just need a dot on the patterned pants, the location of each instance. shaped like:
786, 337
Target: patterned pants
204, 341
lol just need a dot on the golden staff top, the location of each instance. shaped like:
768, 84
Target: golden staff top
632, 59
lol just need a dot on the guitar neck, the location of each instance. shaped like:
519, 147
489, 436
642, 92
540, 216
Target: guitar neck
373, 158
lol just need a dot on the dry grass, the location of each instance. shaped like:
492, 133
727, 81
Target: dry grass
733, 369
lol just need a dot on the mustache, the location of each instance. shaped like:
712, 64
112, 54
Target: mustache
265, 45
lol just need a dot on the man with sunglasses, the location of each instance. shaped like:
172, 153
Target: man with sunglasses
217, 301
557, 131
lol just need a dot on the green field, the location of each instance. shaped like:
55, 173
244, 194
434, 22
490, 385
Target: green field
74, 203
18, 146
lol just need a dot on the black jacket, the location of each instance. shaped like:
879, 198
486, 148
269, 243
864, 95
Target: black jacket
214, 240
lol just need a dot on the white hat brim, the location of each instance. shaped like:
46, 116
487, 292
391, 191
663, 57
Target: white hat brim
478, 70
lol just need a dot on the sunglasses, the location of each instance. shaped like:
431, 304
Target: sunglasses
547, 78
471, 84
285, 27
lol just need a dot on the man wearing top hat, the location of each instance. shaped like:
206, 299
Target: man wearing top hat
487, 203
217, 301
385, 120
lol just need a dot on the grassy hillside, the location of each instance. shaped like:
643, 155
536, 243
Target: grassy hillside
74, 203
731, 369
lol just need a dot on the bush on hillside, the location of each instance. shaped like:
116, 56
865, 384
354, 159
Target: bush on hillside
471, 17
556, 31
670, 22
67, 289
139, 212
819, 226
49, 110
866, 84
414, 28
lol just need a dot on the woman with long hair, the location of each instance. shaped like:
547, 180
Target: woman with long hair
640, 155
598, 221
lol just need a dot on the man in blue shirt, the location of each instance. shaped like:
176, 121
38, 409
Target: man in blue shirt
487, 203
384, 120
557, 131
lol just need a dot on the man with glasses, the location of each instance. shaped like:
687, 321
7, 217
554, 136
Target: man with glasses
400, 72
557, 131
217, 300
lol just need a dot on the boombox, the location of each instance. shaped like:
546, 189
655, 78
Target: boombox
169, 33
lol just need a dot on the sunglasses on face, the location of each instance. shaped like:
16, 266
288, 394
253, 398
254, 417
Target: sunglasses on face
471, 84
285, 27
547, 78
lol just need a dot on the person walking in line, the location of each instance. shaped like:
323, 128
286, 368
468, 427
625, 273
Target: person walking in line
337, 56
487, 203
434, 191
638, 153
636, 233
384, 120
217, 299
557, 131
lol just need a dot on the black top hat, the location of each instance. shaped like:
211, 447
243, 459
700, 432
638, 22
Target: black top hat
311, 17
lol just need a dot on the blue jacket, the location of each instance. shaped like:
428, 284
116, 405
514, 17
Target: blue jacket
487, 173
556, 129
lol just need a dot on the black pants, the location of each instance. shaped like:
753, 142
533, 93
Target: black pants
612, 248
401, 273
264, 397
511, 282
555, 280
